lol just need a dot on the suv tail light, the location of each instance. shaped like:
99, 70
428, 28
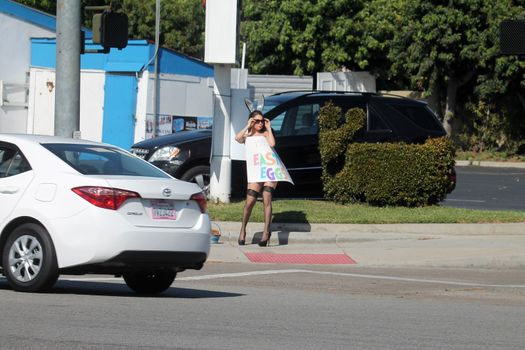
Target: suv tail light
200, 198
105, 197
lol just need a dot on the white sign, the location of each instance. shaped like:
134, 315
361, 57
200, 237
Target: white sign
220, 41
262, 162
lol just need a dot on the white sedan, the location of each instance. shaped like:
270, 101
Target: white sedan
74, 207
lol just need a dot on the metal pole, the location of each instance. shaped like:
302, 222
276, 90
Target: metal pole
156, 67
67, 94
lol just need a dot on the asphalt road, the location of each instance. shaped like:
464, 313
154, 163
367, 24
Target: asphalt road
250, 306
488, 188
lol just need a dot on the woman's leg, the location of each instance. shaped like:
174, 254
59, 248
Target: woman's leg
267, 194
252, 193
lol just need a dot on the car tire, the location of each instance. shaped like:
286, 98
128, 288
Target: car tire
29, 259
199, 175
149, 282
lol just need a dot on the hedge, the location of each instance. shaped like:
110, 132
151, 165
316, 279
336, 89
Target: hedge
380, 174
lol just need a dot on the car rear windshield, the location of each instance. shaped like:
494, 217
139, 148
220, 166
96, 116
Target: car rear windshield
102, 160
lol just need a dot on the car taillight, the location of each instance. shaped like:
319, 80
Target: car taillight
105, 197
200, 198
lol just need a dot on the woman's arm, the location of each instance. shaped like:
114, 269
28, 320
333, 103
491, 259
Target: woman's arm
241, 135
269, 133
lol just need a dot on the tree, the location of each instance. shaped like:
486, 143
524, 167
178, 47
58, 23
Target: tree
376, 25
443, 46
181, 26
48, 6
295, 36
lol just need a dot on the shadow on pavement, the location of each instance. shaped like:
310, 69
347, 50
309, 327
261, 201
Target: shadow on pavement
291, 216
121, 290
298, 218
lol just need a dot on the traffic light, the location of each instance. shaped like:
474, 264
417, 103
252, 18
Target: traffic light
110, 29
512, 37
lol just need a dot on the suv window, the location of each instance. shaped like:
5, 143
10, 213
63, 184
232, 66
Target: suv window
418, 114
12, 162
102, 160
298, 120
277, 123
375, 122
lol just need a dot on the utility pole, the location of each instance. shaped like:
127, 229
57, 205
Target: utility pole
67, 95
220, 50
220, 179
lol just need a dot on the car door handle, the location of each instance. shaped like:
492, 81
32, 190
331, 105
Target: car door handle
9, 189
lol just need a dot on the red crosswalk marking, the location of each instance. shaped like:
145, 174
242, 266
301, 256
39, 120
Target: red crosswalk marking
320, 259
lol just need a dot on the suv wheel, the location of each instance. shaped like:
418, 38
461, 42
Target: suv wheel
199, 175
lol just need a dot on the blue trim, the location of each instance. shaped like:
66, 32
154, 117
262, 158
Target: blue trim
120, 101
172, 62
132, 58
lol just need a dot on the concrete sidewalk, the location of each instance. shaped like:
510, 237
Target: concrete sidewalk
416, 245
490, 164
424, 245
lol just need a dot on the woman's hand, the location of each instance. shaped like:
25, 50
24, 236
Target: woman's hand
269, 133
251, 121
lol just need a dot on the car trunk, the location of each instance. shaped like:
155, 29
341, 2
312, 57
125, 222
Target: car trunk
162, 202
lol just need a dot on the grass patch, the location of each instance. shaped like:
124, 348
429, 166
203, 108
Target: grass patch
319, 211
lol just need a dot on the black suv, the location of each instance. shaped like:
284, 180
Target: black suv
293, 115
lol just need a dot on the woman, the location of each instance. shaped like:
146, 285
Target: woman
257, 127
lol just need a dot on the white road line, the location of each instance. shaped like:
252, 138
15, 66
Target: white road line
237, 274
464, 200
356, 275
92, 279
342, 274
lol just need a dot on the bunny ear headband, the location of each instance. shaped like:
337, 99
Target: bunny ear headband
249, 104
253, 105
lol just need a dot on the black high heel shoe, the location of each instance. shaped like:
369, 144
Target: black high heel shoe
266, 242
242, 241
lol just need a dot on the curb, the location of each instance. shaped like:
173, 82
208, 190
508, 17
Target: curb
335, 233
490, 164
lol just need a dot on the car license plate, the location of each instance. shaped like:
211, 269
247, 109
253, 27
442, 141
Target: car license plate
163, 210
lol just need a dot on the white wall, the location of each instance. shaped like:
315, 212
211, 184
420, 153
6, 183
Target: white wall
91, 104
346, 81
182, 95
15, 58
265, 85
142, 107
178, 95
41, 112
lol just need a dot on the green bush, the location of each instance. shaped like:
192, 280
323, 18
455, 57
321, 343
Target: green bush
380, 174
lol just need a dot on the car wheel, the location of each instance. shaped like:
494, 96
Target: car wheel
29, 259
150, 282
201, 176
